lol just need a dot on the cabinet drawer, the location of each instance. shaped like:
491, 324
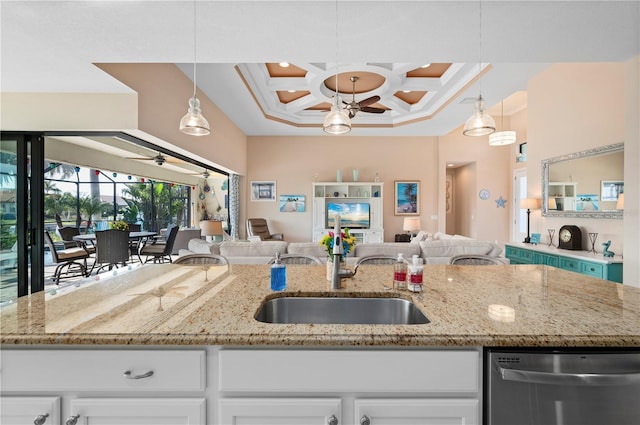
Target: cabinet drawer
103, 370
592, 269
442, 371
570, 264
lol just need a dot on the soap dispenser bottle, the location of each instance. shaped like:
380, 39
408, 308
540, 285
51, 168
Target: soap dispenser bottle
415, 275
400, 273
278, 275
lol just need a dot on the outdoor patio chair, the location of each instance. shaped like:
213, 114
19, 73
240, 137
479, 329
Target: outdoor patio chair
134, 244
67, 233
157, 250
297, 259
475, 260
258, 227
71, 261
112, 248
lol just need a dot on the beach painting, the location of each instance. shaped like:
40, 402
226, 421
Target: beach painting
291, 203
407, 201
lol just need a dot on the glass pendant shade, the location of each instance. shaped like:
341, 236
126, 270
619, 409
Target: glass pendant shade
480, 123
193, 123
501, 138
337, 121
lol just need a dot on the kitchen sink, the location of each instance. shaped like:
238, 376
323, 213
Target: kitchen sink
341, 310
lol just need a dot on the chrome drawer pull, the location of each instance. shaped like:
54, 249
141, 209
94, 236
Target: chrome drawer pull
364, 420
72, 420
128, 375
332, 420
40, 419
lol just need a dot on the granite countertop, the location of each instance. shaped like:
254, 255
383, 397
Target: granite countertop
173, 305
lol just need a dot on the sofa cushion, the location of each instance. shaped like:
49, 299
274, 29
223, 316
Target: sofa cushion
200, 246
389, 249
452, 247
307, 248
252, 249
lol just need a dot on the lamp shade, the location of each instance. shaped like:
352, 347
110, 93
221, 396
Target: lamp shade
620, 203
502, 138
211, 228
480, 123
337, 121
193, 123
411, 224
530, 203
552, 204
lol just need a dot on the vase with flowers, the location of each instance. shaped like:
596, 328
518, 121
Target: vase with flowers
328, 240
119, 225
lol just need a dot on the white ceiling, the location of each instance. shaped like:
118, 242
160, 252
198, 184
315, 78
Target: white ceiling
49, 46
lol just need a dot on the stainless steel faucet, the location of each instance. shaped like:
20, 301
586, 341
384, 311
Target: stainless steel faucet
338, 252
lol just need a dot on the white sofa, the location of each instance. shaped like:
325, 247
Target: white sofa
437, 248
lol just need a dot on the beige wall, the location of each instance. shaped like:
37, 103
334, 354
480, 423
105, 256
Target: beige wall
293, 161
574, 107
631, 238
163, 95
474, 217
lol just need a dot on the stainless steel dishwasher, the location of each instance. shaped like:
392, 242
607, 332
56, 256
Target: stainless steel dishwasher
562, 387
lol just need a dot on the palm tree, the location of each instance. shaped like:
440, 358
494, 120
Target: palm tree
92, 206
411, 194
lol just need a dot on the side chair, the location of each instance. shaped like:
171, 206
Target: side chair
159, 251
112, 248
476, 260
74, 260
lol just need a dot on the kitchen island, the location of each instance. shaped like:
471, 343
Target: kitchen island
162, 341
173, 305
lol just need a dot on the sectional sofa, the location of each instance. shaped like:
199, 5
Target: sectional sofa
435, 248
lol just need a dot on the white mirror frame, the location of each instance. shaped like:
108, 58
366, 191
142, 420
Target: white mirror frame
615, 214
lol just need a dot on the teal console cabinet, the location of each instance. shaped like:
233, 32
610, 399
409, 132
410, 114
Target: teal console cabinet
583, 262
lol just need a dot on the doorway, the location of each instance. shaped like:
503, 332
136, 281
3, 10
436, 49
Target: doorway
519, 225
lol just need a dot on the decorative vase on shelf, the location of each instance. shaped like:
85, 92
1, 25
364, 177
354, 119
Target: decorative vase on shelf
355, 175
339, 176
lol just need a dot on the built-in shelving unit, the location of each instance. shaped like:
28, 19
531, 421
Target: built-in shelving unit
353, 192
565, 195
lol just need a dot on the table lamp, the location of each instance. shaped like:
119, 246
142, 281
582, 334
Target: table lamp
211, 229
411, 225
529, 204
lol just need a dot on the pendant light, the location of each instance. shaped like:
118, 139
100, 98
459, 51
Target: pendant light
337, 121
480, 123
194, 123
501, 138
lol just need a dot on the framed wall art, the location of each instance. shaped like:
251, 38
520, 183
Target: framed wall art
291, 203
407, 199
611, 189
263, 191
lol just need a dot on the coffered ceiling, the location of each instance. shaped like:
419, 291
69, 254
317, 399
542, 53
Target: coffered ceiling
51, 46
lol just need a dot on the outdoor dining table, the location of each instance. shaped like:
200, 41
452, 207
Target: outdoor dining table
133, 236
91, 237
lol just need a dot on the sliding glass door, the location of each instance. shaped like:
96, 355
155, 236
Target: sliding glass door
21, 218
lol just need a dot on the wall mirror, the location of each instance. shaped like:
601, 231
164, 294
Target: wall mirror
584, 184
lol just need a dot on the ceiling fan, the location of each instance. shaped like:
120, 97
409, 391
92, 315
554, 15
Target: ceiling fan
158, 159
353, 107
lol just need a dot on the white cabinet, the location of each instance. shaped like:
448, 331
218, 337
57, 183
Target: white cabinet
278, 411
279, 386
90, 386
30, 410
361, 203
416, 411
138, 411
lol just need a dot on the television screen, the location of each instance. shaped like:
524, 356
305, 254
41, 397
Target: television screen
352, 215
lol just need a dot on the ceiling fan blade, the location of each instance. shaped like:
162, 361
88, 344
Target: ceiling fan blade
371, 110
369, 101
